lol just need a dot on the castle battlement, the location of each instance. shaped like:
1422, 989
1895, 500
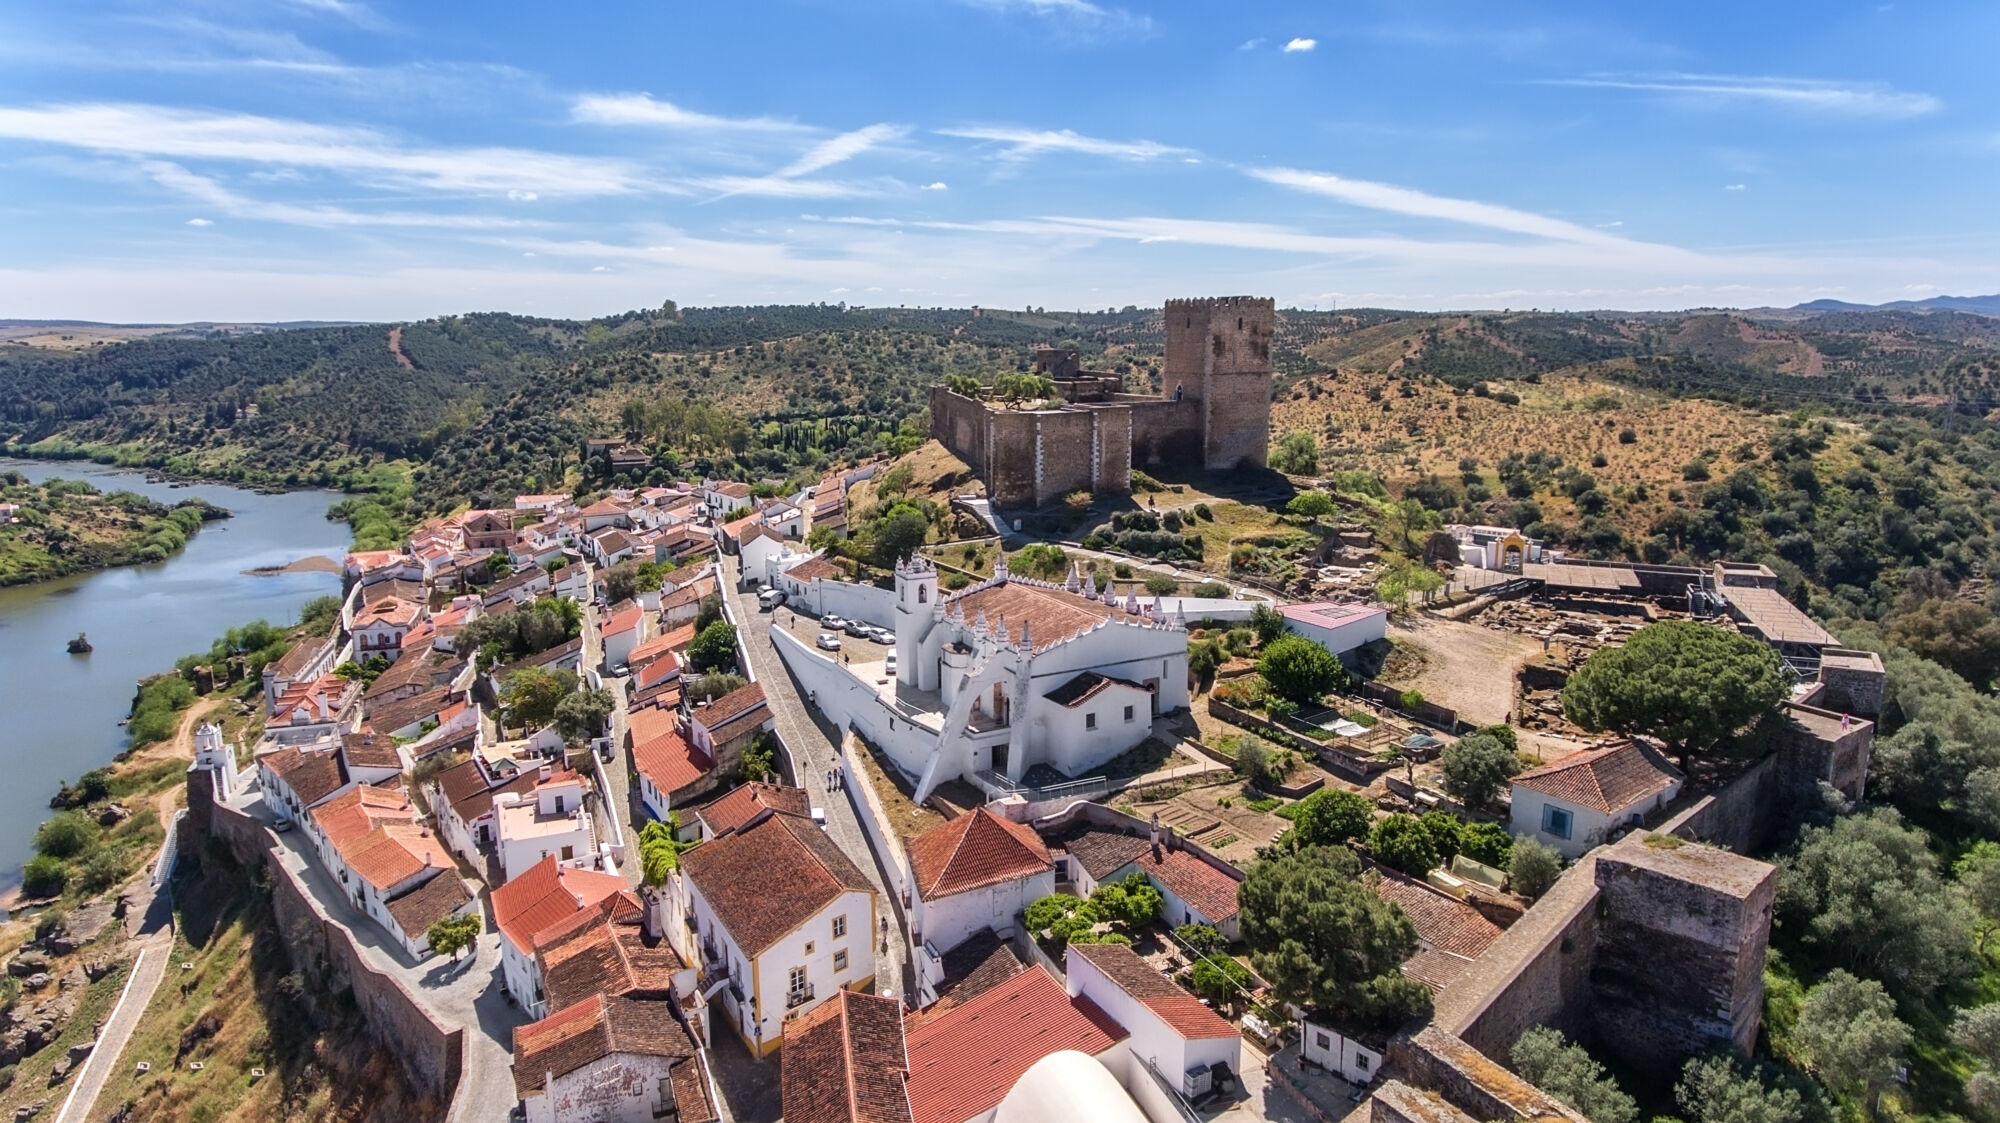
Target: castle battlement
1199, 303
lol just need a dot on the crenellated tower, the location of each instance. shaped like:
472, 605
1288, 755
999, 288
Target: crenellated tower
1219, 355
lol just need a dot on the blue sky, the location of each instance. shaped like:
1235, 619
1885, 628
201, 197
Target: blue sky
328, 159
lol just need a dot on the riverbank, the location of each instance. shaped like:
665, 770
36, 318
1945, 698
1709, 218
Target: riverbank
318, 563
59, 528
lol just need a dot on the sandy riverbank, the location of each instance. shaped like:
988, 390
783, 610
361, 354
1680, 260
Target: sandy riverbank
318, 563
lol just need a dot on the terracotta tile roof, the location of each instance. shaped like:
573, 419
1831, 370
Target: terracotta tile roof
1103, 853
366, 748
389, 855
614, 541
666, 759
815, 568
469, 794
1051, 614
1442, 922
735, 529
429, 903
590, 1031
312, 774
544, 895
729, 813
411, 675
1182, 1012
302, 655
412, 591
603, 950
732, 488
355, 812
624, 618
690, 1084
1084, 687
1435, 969
679, 638
1205, 889
964, 1063
405, 712
763, 882
605, 507
1609, 780
691, 593
652, 649
314, 701
844, 1062
979, 963
741, 704
394, 611
656, 670
973, 851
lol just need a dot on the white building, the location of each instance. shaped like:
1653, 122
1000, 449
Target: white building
624, 630
1168, 1029
1340, 628
1503, 548
370, 841
1579, 801
779, 919
1016, 673
381, 625
976, 872
546, 822
1355, 1059
542, 899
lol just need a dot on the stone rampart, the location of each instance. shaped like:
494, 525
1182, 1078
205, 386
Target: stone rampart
1741, 816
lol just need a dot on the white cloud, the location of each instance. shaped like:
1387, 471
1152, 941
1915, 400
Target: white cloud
1405, 200
842, 148
175, 178
937, 186
1734, 186
1298, 46
644, 109
1851, 99
522, 196
199, 222
778, 187
1251, 44
1075, 15
1024, 143
157, 131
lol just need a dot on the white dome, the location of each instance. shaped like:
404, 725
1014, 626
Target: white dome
1068, 1086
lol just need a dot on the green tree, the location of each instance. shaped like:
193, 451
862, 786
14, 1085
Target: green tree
1486, 843
1395, 586
1204, 657
1253, 760
1532, 866
66, 835
1332, 817
1267, 622
714, 648
1295, 453
964, 384
581, 715
1849, 1036
1161, 585
1043, 560
1132, 902
44, 876
1865, 891
1543, 1058
1202, 939
453, 934
531, 694
713, 685
318, 614
1446, 831
1323, 938
899, 533
1476, 766
1724, 1090
1299, 669
1401, 842
1023, 387
1689, 684
1311, 505
759, 761
1412, 519
660, 849
1961, 635
1978, 874
1221, 980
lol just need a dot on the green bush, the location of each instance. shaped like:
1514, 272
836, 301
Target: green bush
66, 835
44, 876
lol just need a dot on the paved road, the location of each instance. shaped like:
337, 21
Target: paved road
617, 770
813, 743
155, 941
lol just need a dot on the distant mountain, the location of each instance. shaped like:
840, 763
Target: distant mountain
1978, 305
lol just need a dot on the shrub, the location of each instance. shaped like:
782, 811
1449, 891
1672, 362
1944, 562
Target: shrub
66, 835
1202, 938
44, 876
1202, 512
1159, 584
1253, 760
1281, 708
1402, 842
106, 868
1627, 436
1475, 766
1299, 669
1211, 589
1532, 867
1694, 470
1486, 843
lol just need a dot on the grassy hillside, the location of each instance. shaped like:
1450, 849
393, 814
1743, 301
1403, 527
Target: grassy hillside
68, 526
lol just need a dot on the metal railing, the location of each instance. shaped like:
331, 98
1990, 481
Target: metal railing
997, 786
797, 998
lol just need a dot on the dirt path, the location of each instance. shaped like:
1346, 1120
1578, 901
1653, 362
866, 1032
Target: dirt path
396, 348
181, 745
1466, 667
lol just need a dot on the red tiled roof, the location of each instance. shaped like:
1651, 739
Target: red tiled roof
973, 851
429, 903
742, 702
394, 611
730, 812
390, 855
1608, 780
591, 1030
1182, 1012
359, 810
1442, 922
1205, 889
813, 568
312, 774
667, 759
546, 894
624, 619
1050, 613
964, 1063
366, 748
844, 1062
656, 670
603, 950
735, 529
763, 882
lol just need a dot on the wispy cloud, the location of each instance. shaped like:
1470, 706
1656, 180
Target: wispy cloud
156, 131
1419, 204
1021, 144
789, 182
1298, 46
842, 148
1074, 15
645, 109
937, 186
200, 222
175, 178
1849, 99
358, 14
1735, 187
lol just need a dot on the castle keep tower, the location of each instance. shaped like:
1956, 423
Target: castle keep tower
1219, 355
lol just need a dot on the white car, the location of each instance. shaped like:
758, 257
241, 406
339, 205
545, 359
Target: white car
889, 664
827, 641
832, 623
881, 635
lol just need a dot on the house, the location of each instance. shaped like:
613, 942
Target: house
1340, 628
542, 897
8, 513
1450, 933
487, 530
1015, 673
604, 513
974, 873
611, 546
604, 950
462, 800
966, 1061
757, 545
540, 504
520, 588
1167, 1028
845, 1063
372, 842
1502, 548
722, 728
379, 627
295, 779
547, 821
308, 711
1197, 888
1578, 802
683, 604
783, 517
742, 807
802, 582
623, 630
779, 917
572, 581
1352, 1053
723, 496
671, 771
405, 717
612, 1059
654, 679
307, 660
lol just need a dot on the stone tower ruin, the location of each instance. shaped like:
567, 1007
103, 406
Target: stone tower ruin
1219, 354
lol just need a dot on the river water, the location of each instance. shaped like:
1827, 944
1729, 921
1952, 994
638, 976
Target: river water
59, 713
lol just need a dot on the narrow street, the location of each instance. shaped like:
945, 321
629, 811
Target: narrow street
617, 770
814, 745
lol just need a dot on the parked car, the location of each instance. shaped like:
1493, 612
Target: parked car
858, 630
827, 641
882, 635
770, 599
832, 622
889, 664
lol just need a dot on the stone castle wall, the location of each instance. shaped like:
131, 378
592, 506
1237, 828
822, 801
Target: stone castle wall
1165, 432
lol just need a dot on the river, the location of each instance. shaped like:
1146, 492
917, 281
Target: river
59, 713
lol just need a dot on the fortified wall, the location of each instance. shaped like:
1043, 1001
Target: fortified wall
1215, 412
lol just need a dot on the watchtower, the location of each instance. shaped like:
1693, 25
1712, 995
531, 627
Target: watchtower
1219, 355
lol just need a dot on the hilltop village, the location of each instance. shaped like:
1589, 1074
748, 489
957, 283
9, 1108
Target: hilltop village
653, 803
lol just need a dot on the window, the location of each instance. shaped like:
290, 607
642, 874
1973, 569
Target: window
809, 947
796, 983
839, 927
1324, 1043
559, 805
840, 961
1555, 821
1361, 1061
1090, 721
568, 852
1128, 713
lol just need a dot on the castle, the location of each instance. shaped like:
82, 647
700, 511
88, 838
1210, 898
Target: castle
1215, 412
